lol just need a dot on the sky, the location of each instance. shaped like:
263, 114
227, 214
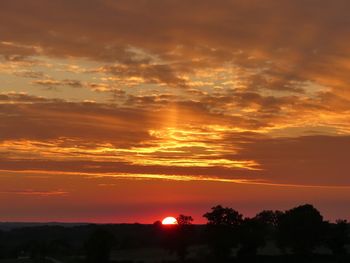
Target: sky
130, 111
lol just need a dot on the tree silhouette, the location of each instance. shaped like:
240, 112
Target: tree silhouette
1, 244
222, 216
184, 230
222, 229
253, 234
157, 224
337, 237
183, 220
269, 218
98, 246
177, 238
301, 229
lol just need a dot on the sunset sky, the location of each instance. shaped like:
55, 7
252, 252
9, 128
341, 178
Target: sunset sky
133, 110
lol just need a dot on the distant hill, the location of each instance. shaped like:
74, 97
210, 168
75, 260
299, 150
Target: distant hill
6, 226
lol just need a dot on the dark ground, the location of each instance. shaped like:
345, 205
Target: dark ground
67, 243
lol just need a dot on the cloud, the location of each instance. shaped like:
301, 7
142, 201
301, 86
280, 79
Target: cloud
229, 88
16, 52
31, 192
275, 58
30, 74
44, 119
182, 138
50, 83
304, 160
148, 73
279, 46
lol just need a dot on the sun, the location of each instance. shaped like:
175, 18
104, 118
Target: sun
169, 221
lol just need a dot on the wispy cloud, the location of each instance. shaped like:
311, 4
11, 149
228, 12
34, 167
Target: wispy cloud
32, 192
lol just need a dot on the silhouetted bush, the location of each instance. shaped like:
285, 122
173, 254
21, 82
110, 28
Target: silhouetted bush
177, 238
337, 237
223, 230
253, 233
301, 228
183, 236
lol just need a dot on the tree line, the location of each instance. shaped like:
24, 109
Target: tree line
227, 236
296, 231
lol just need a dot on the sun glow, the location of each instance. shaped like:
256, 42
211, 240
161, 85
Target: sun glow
169, 221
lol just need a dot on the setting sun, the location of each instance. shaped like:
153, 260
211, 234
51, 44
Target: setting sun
169, 221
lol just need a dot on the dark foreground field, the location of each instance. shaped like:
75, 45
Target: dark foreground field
132, 243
